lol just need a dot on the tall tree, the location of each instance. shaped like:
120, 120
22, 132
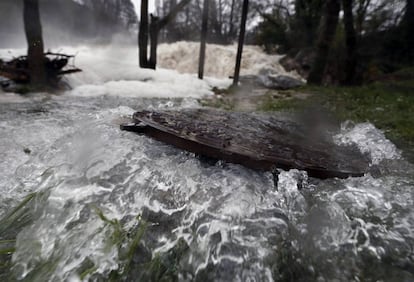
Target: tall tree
327, 30
408, 22
203, 39
156, 26
223, 19
154, 31
351, 42
245, 10
143, 35
409, 13
306, 20
35, 52
231, 26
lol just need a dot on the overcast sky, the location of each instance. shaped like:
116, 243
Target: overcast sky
137, 4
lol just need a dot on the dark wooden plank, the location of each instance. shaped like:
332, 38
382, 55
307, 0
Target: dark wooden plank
256, 141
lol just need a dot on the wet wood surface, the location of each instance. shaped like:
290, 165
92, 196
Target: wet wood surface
256, 141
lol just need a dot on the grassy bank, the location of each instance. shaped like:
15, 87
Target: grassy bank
389, 105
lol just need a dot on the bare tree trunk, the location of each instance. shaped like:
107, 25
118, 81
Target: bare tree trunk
154, 31
203, 39
409, 13
143, 35
230, 34
156, 26
35, 52
408, 21
241, 42
351, 43
327, 30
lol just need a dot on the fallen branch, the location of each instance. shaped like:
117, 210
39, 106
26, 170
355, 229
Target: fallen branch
56, 65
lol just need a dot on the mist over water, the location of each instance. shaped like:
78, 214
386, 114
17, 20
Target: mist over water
69, 22
95, 185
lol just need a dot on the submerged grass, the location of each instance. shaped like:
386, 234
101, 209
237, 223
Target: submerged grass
17, 218
126, 241
136, 260
163, 266
10, 226
118, 232
134, 245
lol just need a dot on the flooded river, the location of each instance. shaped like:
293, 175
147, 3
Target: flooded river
97, 204
83, 201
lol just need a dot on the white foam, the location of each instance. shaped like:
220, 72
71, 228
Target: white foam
114, 70
369, 140
220, 59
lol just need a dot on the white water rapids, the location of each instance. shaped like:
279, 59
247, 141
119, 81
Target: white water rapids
204, 222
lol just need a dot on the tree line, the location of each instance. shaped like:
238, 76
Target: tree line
344, 42
334, 41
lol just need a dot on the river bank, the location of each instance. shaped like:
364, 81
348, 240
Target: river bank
387, 104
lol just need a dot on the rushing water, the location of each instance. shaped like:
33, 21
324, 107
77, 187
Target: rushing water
83, 201
98, 189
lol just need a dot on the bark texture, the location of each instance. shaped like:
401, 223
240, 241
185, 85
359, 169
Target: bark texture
154, 31
155, 28
35, 52
261, 143
203, 40
143, 35
241, 42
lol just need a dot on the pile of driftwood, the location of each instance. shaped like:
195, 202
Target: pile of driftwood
56, 64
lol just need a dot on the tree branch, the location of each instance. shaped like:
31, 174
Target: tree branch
172, 14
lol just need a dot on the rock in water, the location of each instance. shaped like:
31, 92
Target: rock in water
267, 79
280, 82
256, 141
